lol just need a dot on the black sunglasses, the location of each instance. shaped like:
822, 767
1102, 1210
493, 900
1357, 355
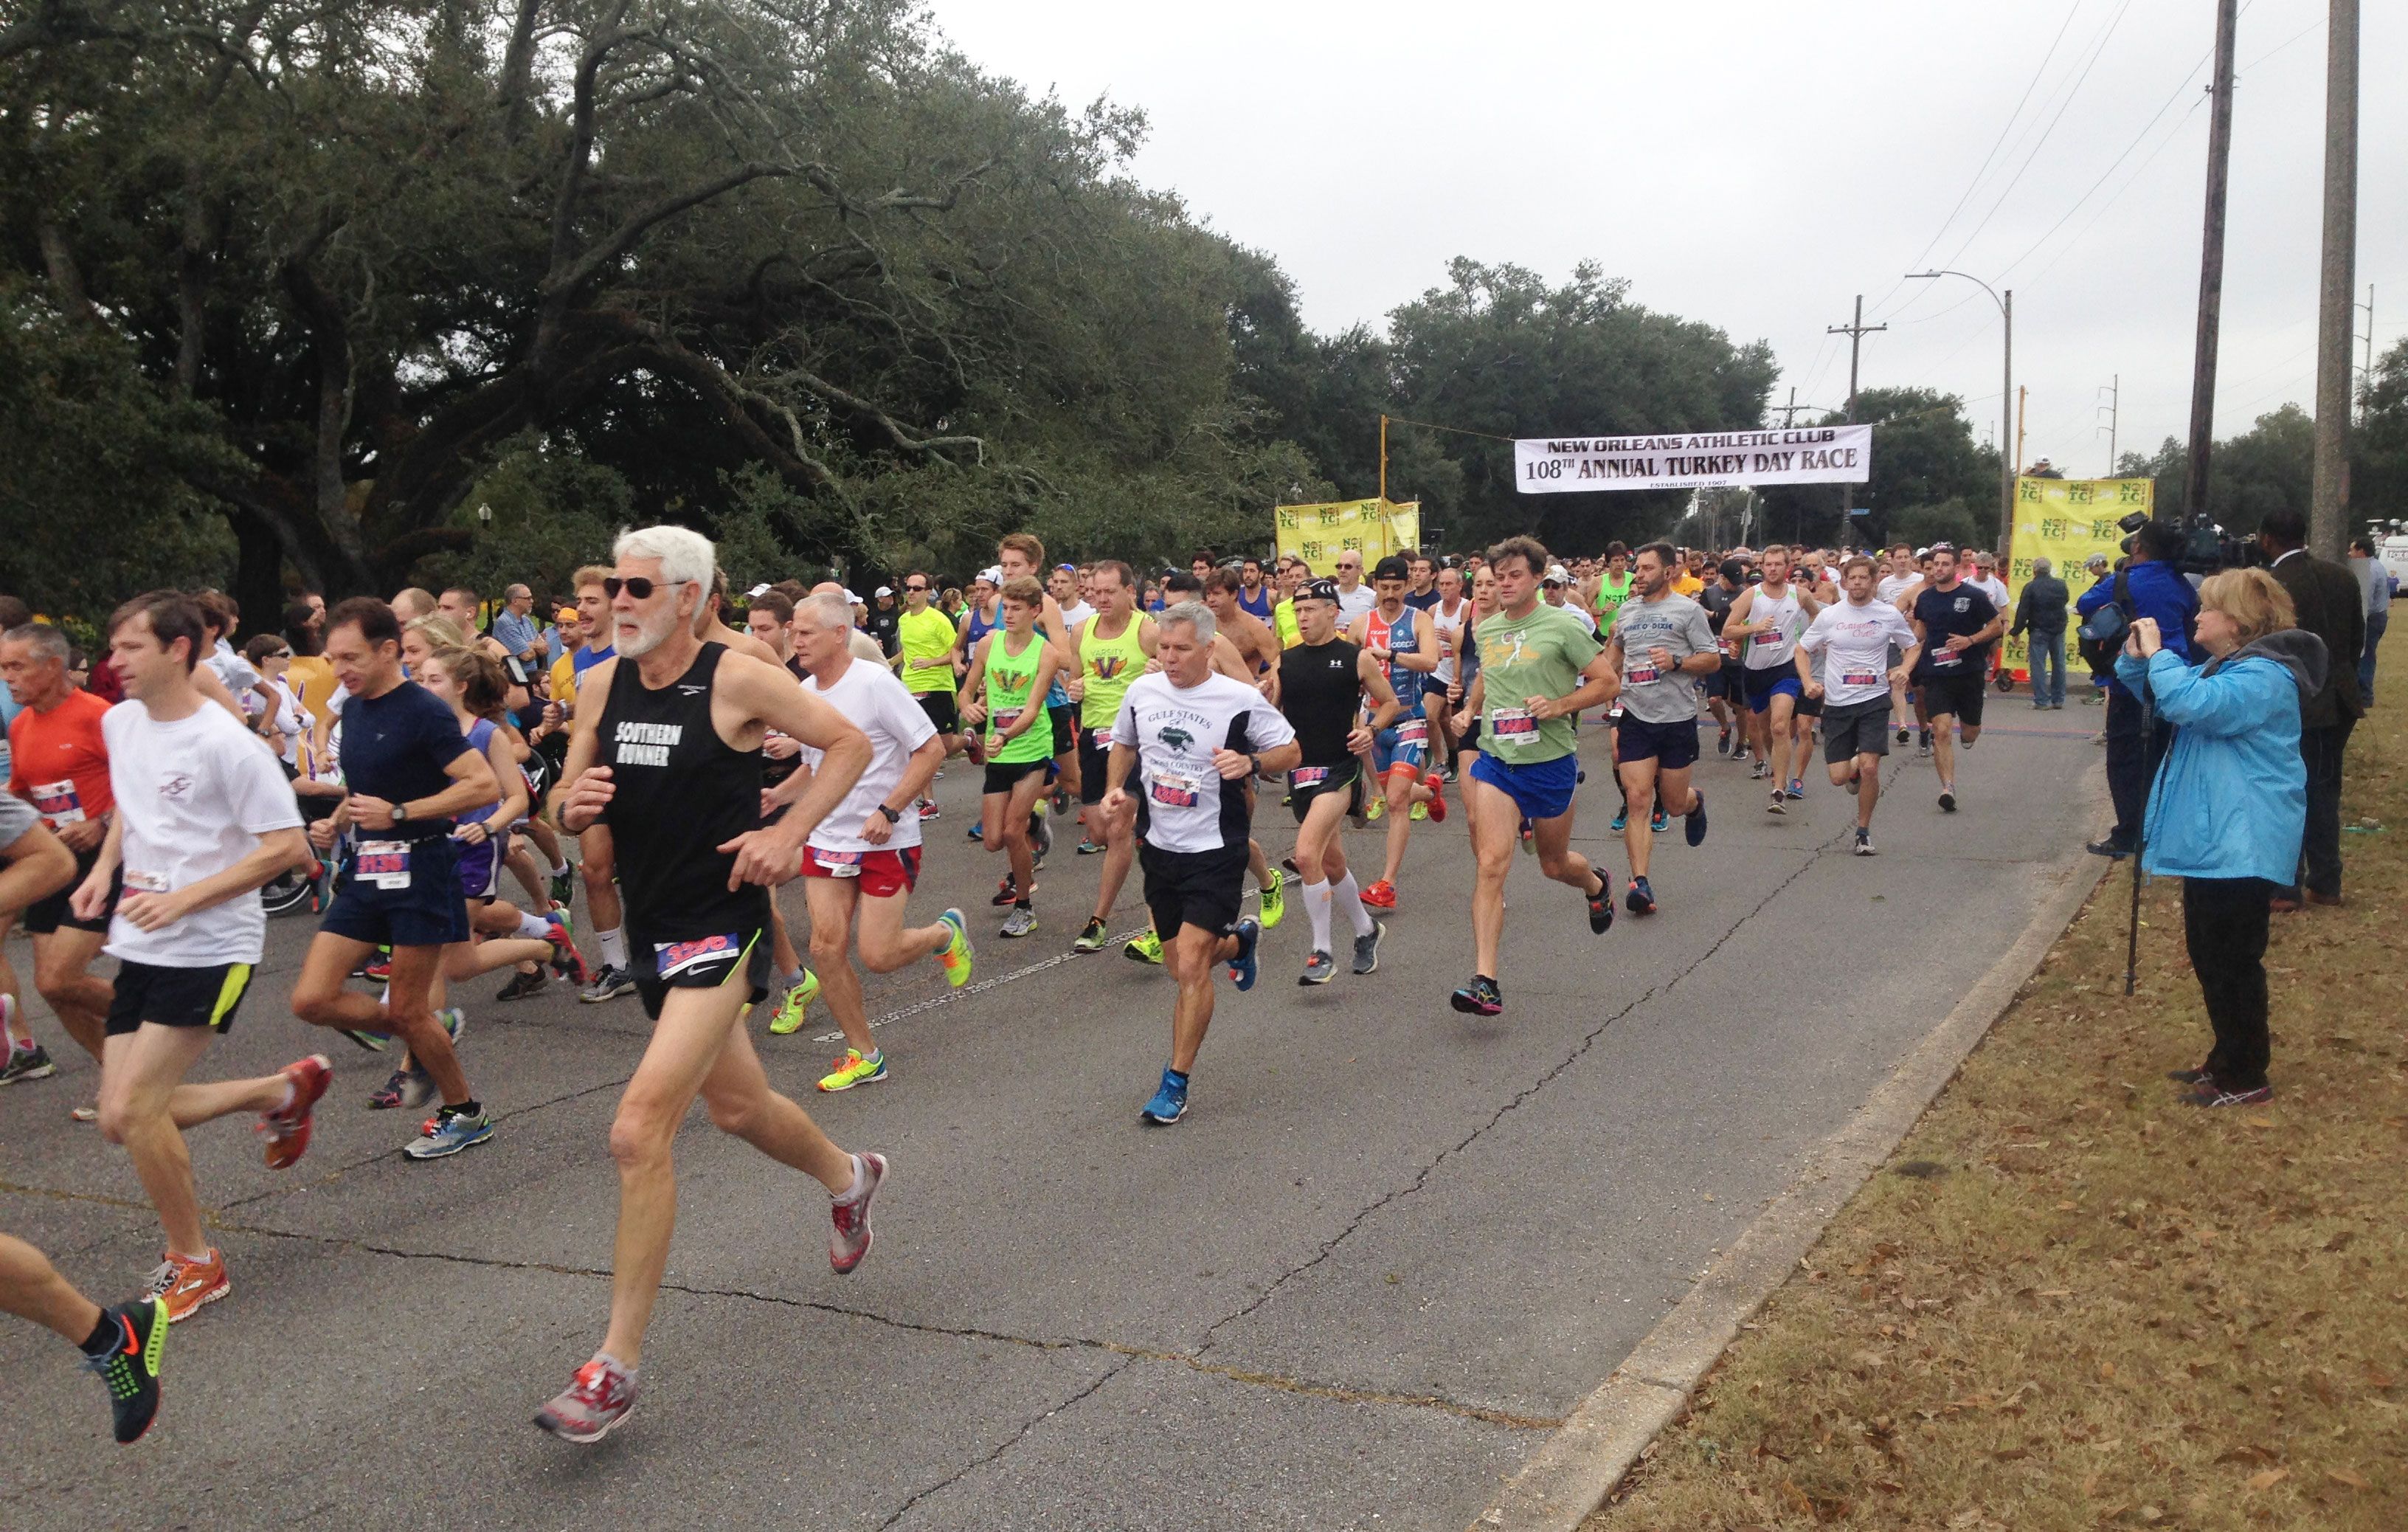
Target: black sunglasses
636, 585
919, 589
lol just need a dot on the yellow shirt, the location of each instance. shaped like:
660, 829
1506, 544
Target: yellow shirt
927, 634
1688, 585
1283, 620
564, 679
313, 682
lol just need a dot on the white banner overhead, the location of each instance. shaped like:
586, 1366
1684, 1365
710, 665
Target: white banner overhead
1806, 455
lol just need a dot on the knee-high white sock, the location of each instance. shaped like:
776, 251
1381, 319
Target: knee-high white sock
1316, 909
614, 946
1350, 898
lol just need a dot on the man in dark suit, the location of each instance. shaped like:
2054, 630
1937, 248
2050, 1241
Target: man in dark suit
2330, 605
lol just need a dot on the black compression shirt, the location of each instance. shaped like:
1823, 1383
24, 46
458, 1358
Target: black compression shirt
681, 792
1321, 689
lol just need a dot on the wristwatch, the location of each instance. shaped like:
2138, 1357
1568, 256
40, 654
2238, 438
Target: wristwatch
893, 815
400, 813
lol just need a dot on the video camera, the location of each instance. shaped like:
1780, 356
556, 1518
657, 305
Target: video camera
2203, 546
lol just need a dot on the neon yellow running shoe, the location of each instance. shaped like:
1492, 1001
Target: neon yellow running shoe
1145, 947
853, 1069
1376, 802
957, 956
1421, 812
1274, 898
797, 1000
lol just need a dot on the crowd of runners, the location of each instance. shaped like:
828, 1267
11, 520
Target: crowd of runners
672, 750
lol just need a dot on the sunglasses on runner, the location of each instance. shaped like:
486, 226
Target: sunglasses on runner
921, 588
637, 585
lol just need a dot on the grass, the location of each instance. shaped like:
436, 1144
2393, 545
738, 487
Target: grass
2068, 1301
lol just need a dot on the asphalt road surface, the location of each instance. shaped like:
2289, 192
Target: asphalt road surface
1388, 1251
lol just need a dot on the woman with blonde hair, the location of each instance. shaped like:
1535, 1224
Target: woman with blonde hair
2229, 804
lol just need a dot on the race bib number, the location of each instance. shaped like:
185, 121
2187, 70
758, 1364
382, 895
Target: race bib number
1639, 675
58, 804
1103, 738
1721, 647
1172, 790
149, 883
837, 864
384, 863
1944, 657
1007, 718
670, 958
1860, 678
1413, 732
1764, 640
1512, 723
1308, 776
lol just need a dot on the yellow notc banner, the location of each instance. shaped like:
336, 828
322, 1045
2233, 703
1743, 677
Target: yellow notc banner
1375, 528
2065, 521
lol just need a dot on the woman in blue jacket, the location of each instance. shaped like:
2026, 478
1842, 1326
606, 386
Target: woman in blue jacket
2229, 803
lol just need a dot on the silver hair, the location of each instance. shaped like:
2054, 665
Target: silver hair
1194, 614
2042, 565
685, 555
828, 610
47, 642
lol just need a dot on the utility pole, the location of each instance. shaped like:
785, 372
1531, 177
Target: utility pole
2336, 311
1855, 333
2023, 397
2366, 373
2114, 407
2210, 265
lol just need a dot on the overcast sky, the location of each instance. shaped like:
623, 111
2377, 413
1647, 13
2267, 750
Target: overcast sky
1755, 165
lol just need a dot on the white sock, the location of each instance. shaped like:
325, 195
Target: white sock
614, 946
1316, 909
860, 1177
561, 871
1349, 899
530, 926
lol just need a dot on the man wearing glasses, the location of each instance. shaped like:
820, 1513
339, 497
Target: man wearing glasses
1354, 598
926, 666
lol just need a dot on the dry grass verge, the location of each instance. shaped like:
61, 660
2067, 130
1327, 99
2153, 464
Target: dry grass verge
2069, 1302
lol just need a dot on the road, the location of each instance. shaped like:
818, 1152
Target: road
1388, 1251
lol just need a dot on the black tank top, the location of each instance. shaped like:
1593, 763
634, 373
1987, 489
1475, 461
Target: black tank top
1321, 689
680, 793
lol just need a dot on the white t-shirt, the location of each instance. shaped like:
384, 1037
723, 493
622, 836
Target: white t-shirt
1075, 614
1453, 629
1891, 585
235, 672
1858, 639
1182, 803
194, 796
1995, 588
1353, 603
877, 703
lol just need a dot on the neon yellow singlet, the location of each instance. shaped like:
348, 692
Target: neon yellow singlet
1109, 666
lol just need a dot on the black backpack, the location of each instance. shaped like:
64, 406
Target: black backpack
2102, 638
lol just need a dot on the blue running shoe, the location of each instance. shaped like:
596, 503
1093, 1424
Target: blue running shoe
1169, 1103
1641, 898
1694, 822
449, 1134
1621, 820
1659, 821
1242, 967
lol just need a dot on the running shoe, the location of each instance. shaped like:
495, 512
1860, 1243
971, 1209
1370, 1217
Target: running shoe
83, 1114
1722, 743
1601, 907
596, 1401
1901, 733
1042, 840
2210, 1094
1005, 893
1854, 783
1759, 771
1320, 968
609, 983
27, 1063
1087, 847
1274, 900
853, 1069
183, 1286
1780, 804
1693, 824
1061, 801
1923, 745
930, 810
1659, 821
566, 960
1020, 922
1947, 799
1437, 780
1169, 1103
523, 986
1640, 898
1375, 806
372, 1041
1367, 949
788, 1019
1530, 839
976, 832
1864, 847
409, 1086
958, 957
1480, 997
1621, 820
1146, 946
1796, 790
1419, 813
563, 885
1242, 967
288, 1127
379, 969
130, 1367
1380, 895
449, 1134
1091, 936
850, 1239
2189, 1076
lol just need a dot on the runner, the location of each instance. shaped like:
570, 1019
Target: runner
1259, 647
1354, 598
1763, 625
1020, 556
408, 769
1010, 671
1114, 651
1538, 665
671, 759
1955, 625
1421, 575
1723, 683
123, 1343
1858, 634
1400, 640
1329, 680
1189, 737
1900, 573
1256, 597
596, 865
1660, 640
927, 639
204, 818
862, 861
1612, 586
1450, 618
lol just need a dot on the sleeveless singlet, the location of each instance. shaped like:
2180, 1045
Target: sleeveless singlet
1258, 605
1610, 598
1321, 689
1010, 678
1766, 651
1403, 637
681, 791
1108, 665
476, 862
980, 625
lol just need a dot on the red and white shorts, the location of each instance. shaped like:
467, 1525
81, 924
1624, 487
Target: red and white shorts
882, 873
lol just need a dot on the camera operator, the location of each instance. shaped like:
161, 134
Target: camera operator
2227, 813
2152, 588
2329, 604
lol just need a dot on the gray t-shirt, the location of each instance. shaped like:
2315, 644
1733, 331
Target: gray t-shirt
16, 817
1677, 624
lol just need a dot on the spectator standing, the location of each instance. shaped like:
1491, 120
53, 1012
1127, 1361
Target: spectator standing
2040, 611
2374, 585
517, 631
2153, 589
2328, 602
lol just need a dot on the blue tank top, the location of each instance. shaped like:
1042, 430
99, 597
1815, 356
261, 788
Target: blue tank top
1259, 604
1403, 637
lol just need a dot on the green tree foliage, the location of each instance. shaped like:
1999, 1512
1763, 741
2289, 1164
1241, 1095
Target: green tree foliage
1930, 481
2379, 477
2267, 468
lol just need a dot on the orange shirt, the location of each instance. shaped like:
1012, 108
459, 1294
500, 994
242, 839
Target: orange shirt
58, 762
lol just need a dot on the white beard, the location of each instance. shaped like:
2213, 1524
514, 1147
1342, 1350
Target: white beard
645, 637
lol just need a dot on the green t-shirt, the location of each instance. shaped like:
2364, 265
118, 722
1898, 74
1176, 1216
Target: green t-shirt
1542, 655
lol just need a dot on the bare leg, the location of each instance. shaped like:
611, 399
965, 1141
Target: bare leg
31, 1288
1494, 831
62, 973
1120, 850
832, 900
1553, 840
1638, 792
1190, 957
319, 998
1943, 749
139, 1072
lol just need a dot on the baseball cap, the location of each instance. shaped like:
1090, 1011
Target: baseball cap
885, 591
852, 600
1392, 568
1558, 575
1321, 588
992, 574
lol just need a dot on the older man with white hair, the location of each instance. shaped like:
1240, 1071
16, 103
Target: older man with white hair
2039, 611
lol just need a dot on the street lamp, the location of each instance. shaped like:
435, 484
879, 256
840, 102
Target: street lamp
2006, 403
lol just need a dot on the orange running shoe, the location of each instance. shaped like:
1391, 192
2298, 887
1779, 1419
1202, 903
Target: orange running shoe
1380, 895
185, 1285
288, 1127
1438, 795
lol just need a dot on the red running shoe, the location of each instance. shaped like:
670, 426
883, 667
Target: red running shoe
1438, 795
288, 1127
1380, 895
850, 1241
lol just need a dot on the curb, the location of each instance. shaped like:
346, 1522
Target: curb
1568, 1479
